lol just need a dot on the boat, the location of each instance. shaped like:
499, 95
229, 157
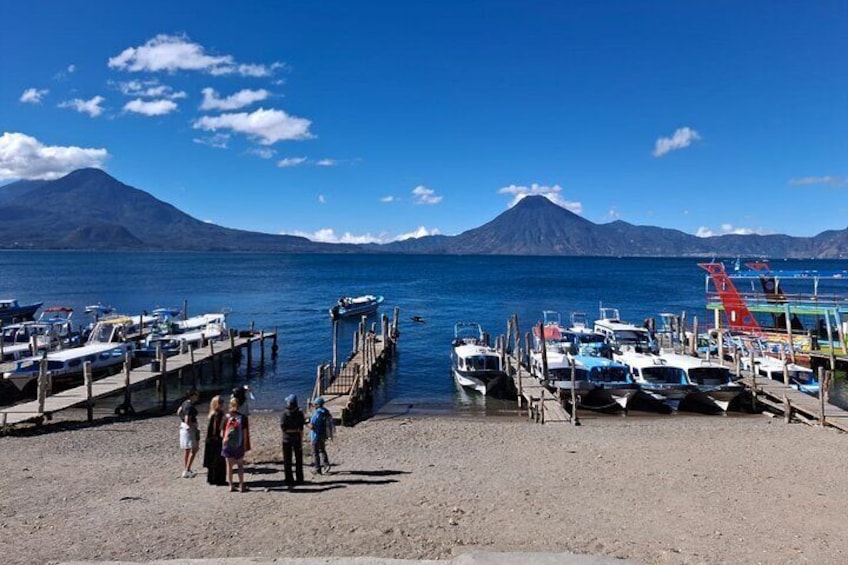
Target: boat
584, 340
612, 385
712, 378
172, 337
753, 357
106, 349
355, 306
11, 311
52, 330
474, 363
554, 368
622, 335
663, 381
792, 311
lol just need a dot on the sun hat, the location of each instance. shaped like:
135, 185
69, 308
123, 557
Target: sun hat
319, 401
291, 400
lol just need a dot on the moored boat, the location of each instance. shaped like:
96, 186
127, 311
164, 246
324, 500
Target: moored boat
476, 365
12, 311
712, 378
622, 336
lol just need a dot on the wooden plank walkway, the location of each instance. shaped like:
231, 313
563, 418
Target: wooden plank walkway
542, 405
809, 406
347, 394
29, 411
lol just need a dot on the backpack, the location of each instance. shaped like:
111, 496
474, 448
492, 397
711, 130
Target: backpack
323, 424
233, 432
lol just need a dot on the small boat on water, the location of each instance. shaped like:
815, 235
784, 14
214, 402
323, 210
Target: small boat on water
355, 306
612, 384
51, 331
11, 311
475, 364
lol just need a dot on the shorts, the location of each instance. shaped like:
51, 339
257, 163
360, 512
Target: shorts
189, 438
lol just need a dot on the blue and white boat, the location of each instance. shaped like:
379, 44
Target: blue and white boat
712, 378
664, 381
622, 336
355, 306
11, 311
474, 363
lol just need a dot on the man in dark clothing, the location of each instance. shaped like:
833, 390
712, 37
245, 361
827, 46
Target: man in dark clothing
291, 424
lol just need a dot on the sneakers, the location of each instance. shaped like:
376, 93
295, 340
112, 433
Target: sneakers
188, 474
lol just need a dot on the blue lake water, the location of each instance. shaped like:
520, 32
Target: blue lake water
291, 293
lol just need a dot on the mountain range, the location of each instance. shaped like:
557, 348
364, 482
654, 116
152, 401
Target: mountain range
89, 209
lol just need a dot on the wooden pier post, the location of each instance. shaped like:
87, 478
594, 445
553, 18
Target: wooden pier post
544, 352
194, 376
233, 357
185, 309
720, 338
262, 348
822, 402
89, 403
575, 421
250, 350
693, 343
127, 406
787, 409
274, 348
215, 373
162, 382
319, 380
42, 384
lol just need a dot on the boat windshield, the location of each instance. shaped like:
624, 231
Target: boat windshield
610, 374
483, 363
632, 337
664, 374
709, 375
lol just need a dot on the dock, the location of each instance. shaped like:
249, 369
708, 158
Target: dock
214, 353
795, 405
542, 405
347, 389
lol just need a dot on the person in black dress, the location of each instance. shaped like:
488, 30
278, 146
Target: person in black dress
215, 464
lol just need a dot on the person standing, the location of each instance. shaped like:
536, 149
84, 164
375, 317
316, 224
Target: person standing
215, 464
241, 393
291, 424
189, 433
235, 441
321, 429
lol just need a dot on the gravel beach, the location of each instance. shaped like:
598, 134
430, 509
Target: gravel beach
677, 489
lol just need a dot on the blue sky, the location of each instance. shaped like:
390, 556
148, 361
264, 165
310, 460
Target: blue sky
355, 121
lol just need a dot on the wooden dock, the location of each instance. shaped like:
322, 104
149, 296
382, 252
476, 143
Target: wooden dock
793, 404
45, 406
543, 406
347, 390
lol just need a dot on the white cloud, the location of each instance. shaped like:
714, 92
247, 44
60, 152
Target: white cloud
552, 193
289, 162
613, 214
388, 199
240, 99
24, 157
261, 152
33, 95
149, 89
328, 235
150, 107
729, 229
91, 107
269, 126
326, 162
321, 199
172, 53
71, 68
828, 180
682, 137
218, 140
423, 195
417, 233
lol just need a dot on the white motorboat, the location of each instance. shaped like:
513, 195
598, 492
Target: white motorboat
475, 364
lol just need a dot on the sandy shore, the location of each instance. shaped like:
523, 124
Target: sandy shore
680, 489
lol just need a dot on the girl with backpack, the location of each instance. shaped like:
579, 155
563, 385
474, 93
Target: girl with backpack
235, 438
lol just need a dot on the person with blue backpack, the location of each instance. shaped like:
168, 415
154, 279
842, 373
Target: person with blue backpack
321, 429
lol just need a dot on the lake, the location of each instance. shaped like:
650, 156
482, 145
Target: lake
291, 293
